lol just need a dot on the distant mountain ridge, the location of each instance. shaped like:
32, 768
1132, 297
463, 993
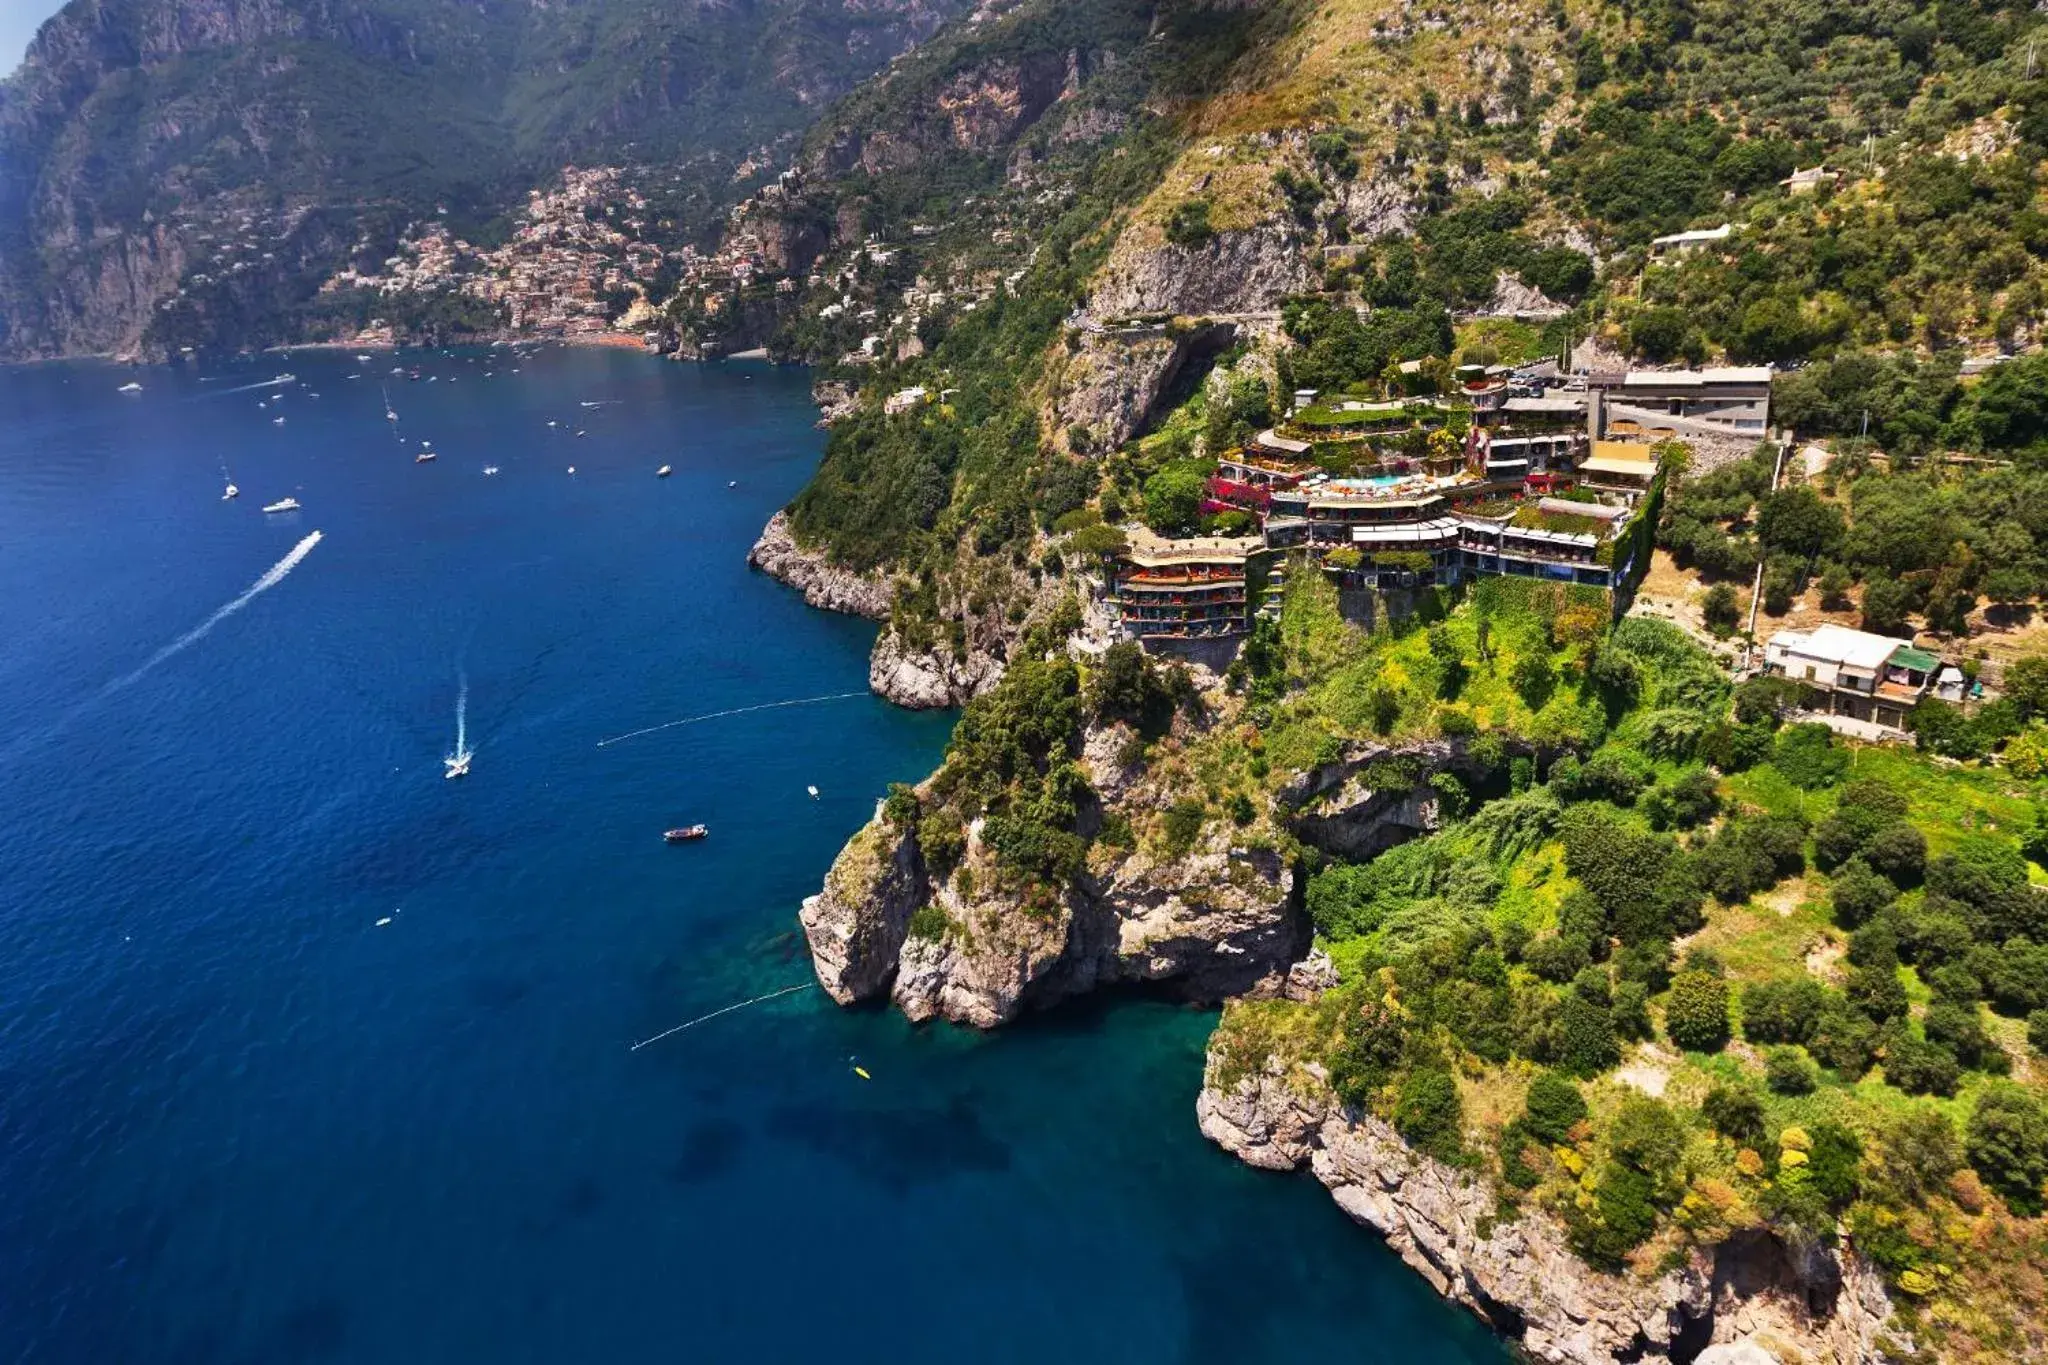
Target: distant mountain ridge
135, 126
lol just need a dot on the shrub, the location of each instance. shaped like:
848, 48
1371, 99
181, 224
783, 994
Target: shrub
1789, 1071
1188, 224
1958, 1028
1809, 757
1921, 1068
1428, 1113
2037, 1031
1622, 1218
1782, 1011
900, 807
1586, 1045
1833, 1161
1696, 1012
1183, 825
1692, 798
1734, 1113
1720, 610
2007, 1143
1646, 1136
929, 921
943, 841
1552, 1108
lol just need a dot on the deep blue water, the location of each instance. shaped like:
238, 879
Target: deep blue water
242, 1122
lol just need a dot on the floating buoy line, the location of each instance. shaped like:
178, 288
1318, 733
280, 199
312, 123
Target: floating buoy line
720, 715
670, 1033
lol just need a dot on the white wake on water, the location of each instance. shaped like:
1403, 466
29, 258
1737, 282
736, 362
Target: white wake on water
273, 576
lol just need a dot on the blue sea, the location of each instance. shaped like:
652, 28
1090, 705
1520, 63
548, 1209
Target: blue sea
310, 1055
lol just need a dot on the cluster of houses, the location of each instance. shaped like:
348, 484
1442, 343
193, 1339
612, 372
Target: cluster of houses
1502, 477
576, 247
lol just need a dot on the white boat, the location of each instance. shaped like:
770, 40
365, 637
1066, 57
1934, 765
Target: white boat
457, 765
663, 472
131, 387
732, 483
425, 457
490, 469
231, 492
572, 469
285, 379
813, 791
362, 360
283, 505
277, 421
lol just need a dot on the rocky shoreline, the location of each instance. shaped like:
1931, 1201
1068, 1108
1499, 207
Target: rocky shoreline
918, 679
1752, 1300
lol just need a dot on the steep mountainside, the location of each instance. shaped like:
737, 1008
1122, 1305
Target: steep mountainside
140, 135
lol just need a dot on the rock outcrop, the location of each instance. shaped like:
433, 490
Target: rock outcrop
1221, 922
929, 679
1750, 1299
1233, 273
824, 584
1110, 385
1220, 919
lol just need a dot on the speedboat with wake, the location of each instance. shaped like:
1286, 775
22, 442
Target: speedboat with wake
687, 834
457, 765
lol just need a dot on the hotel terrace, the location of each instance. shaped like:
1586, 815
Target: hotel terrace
1407, 494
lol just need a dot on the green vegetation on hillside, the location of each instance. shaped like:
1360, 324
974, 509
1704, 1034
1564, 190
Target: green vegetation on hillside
1687, 970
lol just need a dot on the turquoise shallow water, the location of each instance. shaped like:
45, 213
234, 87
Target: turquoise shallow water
243, 1122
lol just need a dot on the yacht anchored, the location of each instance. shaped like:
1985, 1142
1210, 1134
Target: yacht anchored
663, 472
283, 505
685, 834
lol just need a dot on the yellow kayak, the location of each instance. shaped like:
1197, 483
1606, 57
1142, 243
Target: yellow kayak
862, 1072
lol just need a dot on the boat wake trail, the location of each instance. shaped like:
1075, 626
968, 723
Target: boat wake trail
246, 388
721, 715
801, 985
275, 575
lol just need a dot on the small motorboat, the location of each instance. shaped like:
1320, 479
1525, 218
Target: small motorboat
283, 505
130, 387
230, 492
277, 421
425, 457
663, 472
457, 765
490, 469
687, 834
813, 791
572, 469
732, 483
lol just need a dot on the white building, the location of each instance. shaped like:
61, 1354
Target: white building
1853, 672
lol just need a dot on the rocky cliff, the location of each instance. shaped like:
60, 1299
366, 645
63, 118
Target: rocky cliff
824, 584
1752, 1299
1220, 919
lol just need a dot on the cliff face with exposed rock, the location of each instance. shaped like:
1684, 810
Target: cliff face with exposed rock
824, 584
1222, 918
1752, 1300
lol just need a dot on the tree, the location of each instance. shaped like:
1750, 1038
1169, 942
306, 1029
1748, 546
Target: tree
1173, 500
1797, 521
1886, 602
1720, 611
1188, 224
1660, 334
1859, 893
1696, 1012
2007, 1143
1735, 1113
1533, 679
2026, 685
1899, 851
